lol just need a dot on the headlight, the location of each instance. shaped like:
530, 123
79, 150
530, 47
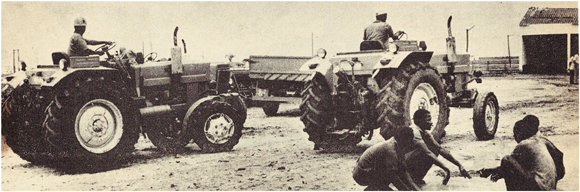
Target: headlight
344, 64
321, 53
393, 48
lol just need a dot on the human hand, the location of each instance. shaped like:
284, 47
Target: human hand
464, 173
100, 53
495, 177
484, 172
109, 43
447, 176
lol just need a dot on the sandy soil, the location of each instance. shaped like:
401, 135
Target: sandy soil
274, 153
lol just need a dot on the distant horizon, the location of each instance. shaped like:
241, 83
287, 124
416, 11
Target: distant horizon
215, 29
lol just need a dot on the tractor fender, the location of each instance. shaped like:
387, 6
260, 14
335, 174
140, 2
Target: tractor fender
232, 98
61, 79
320, 67
394, 61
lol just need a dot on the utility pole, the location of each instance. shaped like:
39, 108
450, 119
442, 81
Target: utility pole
509, 54
312, 44
467, 38
18, 54
13, 60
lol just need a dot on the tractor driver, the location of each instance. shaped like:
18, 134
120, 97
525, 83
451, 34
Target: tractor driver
78, 44
380, 30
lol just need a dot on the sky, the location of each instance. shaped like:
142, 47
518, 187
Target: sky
213, 29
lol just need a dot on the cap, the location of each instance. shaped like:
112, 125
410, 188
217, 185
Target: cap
80, 21
381, 14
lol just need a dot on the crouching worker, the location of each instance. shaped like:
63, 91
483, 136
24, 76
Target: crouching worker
534, 165
423, 154
384, 163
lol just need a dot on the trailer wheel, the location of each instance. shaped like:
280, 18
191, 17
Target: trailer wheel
407, 89
485, 115
314, 108
167, 133
93, 119
216, 126
270, 108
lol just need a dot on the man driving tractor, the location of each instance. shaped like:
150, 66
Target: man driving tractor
380, 31
78, 44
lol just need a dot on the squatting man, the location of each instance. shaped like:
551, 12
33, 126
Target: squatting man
535, 163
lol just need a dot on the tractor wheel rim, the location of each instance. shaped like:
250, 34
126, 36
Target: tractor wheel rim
219, 128
425, 97
490, 117
98, 126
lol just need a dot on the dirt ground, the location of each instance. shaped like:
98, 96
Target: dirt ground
274, 153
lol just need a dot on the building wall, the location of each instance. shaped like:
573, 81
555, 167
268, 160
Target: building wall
538, 44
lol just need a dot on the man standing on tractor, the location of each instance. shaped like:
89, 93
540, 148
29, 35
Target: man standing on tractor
425, 151
380, 30
78, 44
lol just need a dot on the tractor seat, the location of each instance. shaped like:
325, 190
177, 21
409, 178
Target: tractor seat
371, 45
57, 56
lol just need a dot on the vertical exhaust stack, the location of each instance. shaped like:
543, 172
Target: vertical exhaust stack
176, 65
451, 53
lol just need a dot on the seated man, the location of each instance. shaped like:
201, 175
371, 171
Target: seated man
78, 44
384, 163
535, 164
425, 150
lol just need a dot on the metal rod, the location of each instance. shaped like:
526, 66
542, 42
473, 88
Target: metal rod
467, 38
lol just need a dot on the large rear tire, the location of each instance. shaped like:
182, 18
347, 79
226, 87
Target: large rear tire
407, 89
216, 126
485, 115
315, 108
94, 120
22, 118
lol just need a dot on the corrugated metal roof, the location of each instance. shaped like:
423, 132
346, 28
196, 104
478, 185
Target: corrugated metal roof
550, 16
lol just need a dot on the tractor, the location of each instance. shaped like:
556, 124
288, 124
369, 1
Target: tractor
92, 110
353, 93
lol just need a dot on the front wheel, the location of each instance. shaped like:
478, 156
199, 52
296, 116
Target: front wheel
217, 127
167, 133
485, 116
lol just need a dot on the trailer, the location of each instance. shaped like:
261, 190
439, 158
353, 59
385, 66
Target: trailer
267, 81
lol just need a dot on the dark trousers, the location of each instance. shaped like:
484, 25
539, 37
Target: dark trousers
379, 179
514, 181
418, 164
572, 74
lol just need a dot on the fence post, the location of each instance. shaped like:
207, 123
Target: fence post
488, 66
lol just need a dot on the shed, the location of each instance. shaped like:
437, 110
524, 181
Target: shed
549, 38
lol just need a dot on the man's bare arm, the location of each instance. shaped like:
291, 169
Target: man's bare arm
95, 42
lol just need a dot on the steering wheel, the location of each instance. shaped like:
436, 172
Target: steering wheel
151, 56
401, 34
106, 47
